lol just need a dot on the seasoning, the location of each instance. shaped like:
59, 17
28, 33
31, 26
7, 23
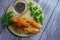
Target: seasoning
20, 7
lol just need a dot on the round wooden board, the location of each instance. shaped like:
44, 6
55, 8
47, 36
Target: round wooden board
25, 15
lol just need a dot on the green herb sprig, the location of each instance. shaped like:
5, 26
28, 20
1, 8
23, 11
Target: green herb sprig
36, 12
6, 19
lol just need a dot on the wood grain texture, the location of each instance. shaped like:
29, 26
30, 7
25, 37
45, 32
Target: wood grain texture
6, 35
49, 31
52, 32
49, 15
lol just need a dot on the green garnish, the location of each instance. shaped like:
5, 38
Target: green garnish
36, 12
6, 19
